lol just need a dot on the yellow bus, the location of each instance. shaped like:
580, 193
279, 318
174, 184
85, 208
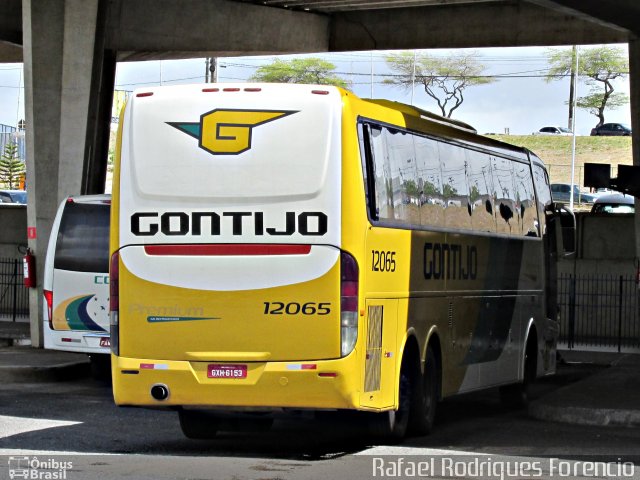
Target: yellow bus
288, 247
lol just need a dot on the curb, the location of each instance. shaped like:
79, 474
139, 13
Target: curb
584, 415
50, 373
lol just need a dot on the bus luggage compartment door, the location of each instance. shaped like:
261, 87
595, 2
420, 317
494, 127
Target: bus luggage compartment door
379, 385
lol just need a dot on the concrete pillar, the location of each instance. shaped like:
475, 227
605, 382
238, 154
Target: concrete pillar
77, 67
634, 87
65, 98
43, 34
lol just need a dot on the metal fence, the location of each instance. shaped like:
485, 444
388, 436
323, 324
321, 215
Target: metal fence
599, 311
14, 297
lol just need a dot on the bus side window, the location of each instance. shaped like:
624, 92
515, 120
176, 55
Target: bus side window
455, 187
381, 174
481, 192
526, 204
401, 155
432, 202
504, 191
543, 195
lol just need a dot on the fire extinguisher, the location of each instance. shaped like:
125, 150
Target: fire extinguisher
29, 267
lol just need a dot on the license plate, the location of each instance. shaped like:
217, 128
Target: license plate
226, 371
105, 342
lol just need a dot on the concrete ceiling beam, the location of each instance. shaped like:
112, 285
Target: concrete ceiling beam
146, 29
466, 26
621, 14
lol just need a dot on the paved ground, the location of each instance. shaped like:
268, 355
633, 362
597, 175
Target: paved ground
51, 408
60, 420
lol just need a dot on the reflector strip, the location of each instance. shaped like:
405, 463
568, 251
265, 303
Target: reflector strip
154, 366
302, 366
71, 340
209, 90
320, 92
328, 374
228, 249
144, 94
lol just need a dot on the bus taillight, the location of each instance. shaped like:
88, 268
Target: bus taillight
114, 303
48, 297
348, 303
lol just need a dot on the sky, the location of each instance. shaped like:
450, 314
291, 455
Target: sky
522, 104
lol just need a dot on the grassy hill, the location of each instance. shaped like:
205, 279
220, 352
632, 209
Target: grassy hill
556, 152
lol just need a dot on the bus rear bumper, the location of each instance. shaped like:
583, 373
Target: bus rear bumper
326, 384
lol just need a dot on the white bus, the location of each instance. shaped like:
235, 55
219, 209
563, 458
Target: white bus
76, 280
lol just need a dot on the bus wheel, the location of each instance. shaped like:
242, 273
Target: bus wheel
391, 426
517, 395
423, 409
198, 425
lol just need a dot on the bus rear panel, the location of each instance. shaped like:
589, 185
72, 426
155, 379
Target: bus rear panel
228, 250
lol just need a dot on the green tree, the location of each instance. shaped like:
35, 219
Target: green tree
299, 70
411, 188
11, 167
600, 66
443, 78
430, 189
449, 191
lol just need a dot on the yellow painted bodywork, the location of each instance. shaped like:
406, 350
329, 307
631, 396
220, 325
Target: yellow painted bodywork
181, 361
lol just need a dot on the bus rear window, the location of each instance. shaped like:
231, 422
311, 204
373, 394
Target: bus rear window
83, 238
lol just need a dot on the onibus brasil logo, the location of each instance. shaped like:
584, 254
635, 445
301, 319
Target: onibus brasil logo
32, 468
228, 132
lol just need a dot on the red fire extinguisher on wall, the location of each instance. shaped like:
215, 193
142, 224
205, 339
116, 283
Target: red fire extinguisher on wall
29, 266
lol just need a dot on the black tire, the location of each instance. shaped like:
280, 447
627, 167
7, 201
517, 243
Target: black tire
517, 395
425, 400
198, 425
100, 367
391, 426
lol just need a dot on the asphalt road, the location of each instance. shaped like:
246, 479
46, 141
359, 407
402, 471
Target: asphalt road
77, 422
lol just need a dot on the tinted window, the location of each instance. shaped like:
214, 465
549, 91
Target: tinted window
432, 204
525, 200
505, 195
455, 187
83, 238
413, 181
481, 191
541, 181
388, 173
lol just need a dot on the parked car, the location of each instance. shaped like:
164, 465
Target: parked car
560, 192
554, 131
619, 129
13, 196
614, 203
